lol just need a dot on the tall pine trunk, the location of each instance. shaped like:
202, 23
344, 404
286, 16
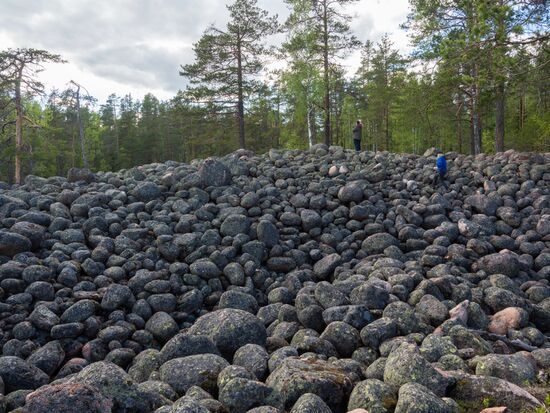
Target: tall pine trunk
387, 126
499, 54
521, 117
328, 132
475, 130
81, 129
475, 116
338, 127
278, 122
499, 117
458, 118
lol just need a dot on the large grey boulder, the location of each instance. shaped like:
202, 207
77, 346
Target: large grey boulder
296, 377
324, 268
499, 263
80, 174
240, 395
268, 233
482, 204
12, 243
17, 374
415, 398
114, 384
515, 368
67, 398
374, 396
406, 365
230, 329
377, 243
146, 191
198, 370
184, 344
309, 403
214, 173
235, 224
473, 393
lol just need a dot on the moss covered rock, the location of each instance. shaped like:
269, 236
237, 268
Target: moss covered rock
373, 395
473, 393
295, 377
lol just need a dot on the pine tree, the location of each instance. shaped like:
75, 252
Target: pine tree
109, 131
150, 142
326, 21
478, 38
18, 70
382, 74
228, 60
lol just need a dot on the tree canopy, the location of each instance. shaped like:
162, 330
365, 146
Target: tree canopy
228, 61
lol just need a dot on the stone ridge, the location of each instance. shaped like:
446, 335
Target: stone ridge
295, 281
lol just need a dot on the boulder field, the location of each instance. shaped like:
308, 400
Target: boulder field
310, 281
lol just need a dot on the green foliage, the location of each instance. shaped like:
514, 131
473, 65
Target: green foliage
382, 76
477, 44
466, 53
319, 35
546, 407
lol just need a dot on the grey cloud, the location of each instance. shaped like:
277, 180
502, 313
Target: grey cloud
121, 40
363, 27
66, 23
132, 42
139, 65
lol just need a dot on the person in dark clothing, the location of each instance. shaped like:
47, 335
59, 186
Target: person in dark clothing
441, 167
357, 135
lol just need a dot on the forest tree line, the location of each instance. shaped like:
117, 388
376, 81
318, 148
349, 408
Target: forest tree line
478, 80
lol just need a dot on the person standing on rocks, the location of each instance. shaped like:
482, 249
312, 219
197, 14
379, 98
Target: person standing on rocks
441, 167
357, 135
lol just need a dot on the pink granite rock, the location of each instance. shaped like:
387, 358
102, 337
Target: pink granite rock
509, 318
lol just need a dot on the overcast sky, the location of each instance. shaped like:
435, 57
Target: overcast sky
137, 46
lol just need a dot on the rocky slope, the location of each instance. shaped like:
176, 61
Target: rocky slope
317, 281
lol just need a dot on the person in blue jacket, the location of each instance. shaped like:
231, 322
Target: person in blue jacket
441, 166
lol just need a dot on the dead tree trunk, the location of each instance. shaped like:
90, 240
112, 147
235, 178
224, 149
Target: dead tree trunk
328, 132
499, 118
18, 127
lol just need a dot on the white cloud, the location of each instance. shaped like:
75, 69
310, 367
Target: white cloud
374, 18
137, 46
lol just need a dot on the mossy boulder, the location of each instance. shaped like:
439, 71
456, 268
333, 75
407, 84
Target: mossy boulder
67, 398
474, 393
373, 395
415, 398
230, 329
406, 365
515, 368
198, 370
295, 377
113, 383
